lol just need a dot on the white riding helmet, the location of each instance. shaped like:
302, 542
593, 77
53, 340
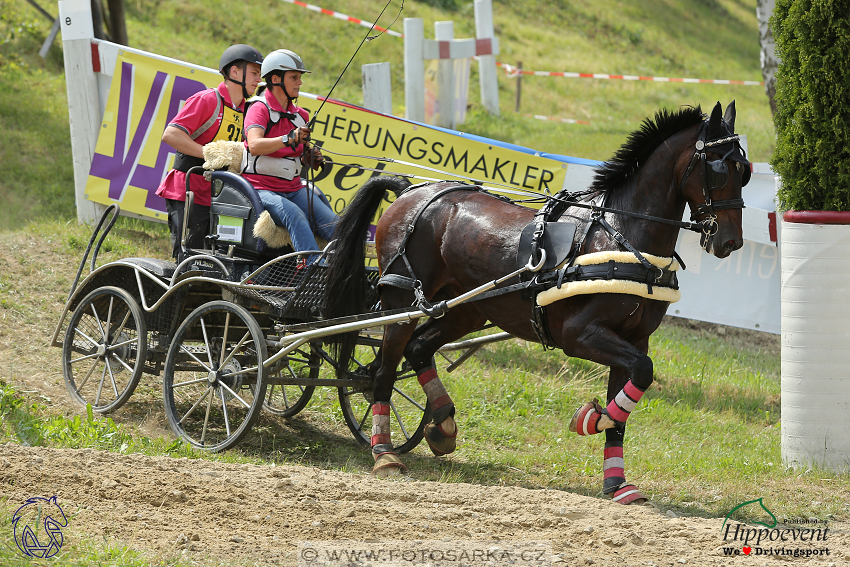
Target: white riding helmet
282, 60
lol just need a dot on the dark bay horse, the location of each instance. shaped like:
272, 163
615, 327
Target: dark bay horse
437, 244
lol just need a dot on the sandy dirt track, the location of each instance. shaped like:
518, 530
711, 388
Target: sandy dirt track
216, 513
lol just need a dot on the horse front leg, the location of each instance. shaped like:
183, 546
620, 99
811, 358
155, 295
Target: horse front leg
614, 464
630, 377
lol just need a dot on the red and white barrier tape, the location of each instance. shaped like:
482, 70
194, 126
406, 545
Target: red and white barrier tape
513, 72
343, 17
556, 119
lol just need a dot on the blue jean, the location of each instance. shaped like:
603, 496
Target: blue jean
290, 211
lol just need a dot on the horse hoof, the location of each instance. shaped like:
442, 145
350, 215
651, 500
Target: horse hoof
439, 442
630, 494
388, 465
590, 419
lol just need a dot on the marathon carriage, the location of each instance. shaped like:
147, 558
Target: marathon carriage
218, 328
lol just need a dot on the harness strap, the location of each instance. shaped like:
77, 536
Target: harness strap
621, 240
402, 250
396, 280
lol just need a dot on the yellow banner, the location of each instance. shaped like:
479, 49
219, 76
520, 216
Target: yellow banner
130, 159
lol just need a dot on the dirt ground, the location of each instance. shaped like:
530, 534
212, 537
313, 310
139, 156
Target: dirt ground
214, 513
249, 514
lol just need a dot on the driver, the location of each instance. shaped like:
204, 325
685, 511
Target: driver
210, 115
276, 135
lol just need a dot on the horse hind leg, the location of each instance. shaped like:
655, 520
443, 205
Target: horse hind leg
387, 461
441, 433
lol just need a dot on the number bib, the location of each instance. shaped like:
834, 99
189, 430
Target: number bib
231, 126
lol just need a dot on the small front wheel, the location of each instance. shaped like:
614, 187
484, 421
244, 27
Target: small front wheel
214, 381
104, 351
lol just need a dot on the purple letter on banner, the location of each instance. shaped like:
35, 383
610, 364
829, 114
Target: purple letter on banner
123, 161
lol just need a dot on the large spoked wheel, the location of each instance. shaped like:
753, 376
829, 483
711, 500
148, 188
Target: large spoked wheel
104, 351
286, 400
409, 408
214, 381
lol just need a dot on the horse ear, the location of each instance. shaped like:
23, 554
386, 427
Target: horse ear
714, 131
729, 116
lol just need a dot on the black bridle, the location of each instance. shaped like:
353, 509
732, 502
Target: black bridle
715, 174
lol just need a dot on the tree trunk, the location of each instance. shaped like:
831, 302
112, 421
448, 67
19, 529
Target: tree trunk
117, 26
768, 57
97, 20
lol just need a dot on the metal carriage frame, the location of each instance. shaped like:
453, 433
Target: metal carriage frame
230, 337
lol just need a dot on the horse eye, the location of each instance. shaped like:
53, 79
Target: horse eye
739, 167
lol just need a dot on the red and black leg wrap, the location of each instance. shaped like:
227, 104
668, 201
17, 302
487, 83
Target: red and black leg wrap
624, 402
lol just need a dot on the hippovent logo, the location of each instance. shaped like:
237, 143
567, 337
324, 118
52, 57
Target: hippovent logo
38, 527
772, 537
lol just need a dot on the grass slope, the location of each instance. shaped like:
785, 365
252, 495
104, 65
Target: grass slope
704, 39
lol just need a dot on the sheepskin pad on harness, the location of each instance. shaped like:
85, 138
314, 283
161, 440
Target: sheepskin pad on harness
223, 153
570, 289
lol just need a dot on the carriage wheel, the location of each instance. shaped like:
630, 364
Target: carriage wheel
104, 351
286, 400
214, 381
410, 411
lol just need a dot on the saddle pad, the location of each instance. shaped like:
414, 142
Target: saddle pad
557, 241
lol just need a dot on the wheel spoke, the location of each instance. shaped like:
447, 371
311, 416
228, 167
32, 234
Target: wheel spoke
188, 382
240, 372
206, 344
88, 375
224, 408
221, 360
365, 415
122, 363
109, 319
97, 320
125, 343
100, 386
88, 338
198, 360
207, 416
233, 351
235, 395
408, 398
120, 328
111, 376
86, 357
400, 422
188, 413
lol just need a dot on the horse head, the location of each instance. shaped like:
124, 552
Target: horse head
712, 182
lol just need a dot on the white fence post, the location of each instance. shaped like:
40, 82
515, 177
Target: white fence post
487, 77
445, 31
377, 87
83, 104
414, 70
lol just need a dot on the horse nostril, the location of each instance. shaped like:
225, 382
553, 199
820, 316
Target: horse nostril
731, 245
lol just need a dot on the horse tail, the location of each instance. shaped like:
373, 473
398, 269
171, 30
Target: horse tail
345, 291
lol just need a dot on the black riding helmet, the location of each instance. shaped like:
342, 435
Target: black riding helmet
235, 54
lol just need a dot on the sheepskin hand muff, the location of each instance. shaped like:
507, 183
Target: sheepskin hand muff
277, 236
224, 154
570, 289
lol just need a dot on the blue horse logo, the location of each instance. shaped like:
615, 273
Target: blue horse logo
38, 512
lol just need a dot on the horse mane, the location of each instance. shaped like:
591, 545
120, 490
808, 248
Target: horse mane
641, 143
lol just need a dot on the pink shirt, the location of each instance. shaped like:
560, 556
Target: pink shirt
198, 109
258, 116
